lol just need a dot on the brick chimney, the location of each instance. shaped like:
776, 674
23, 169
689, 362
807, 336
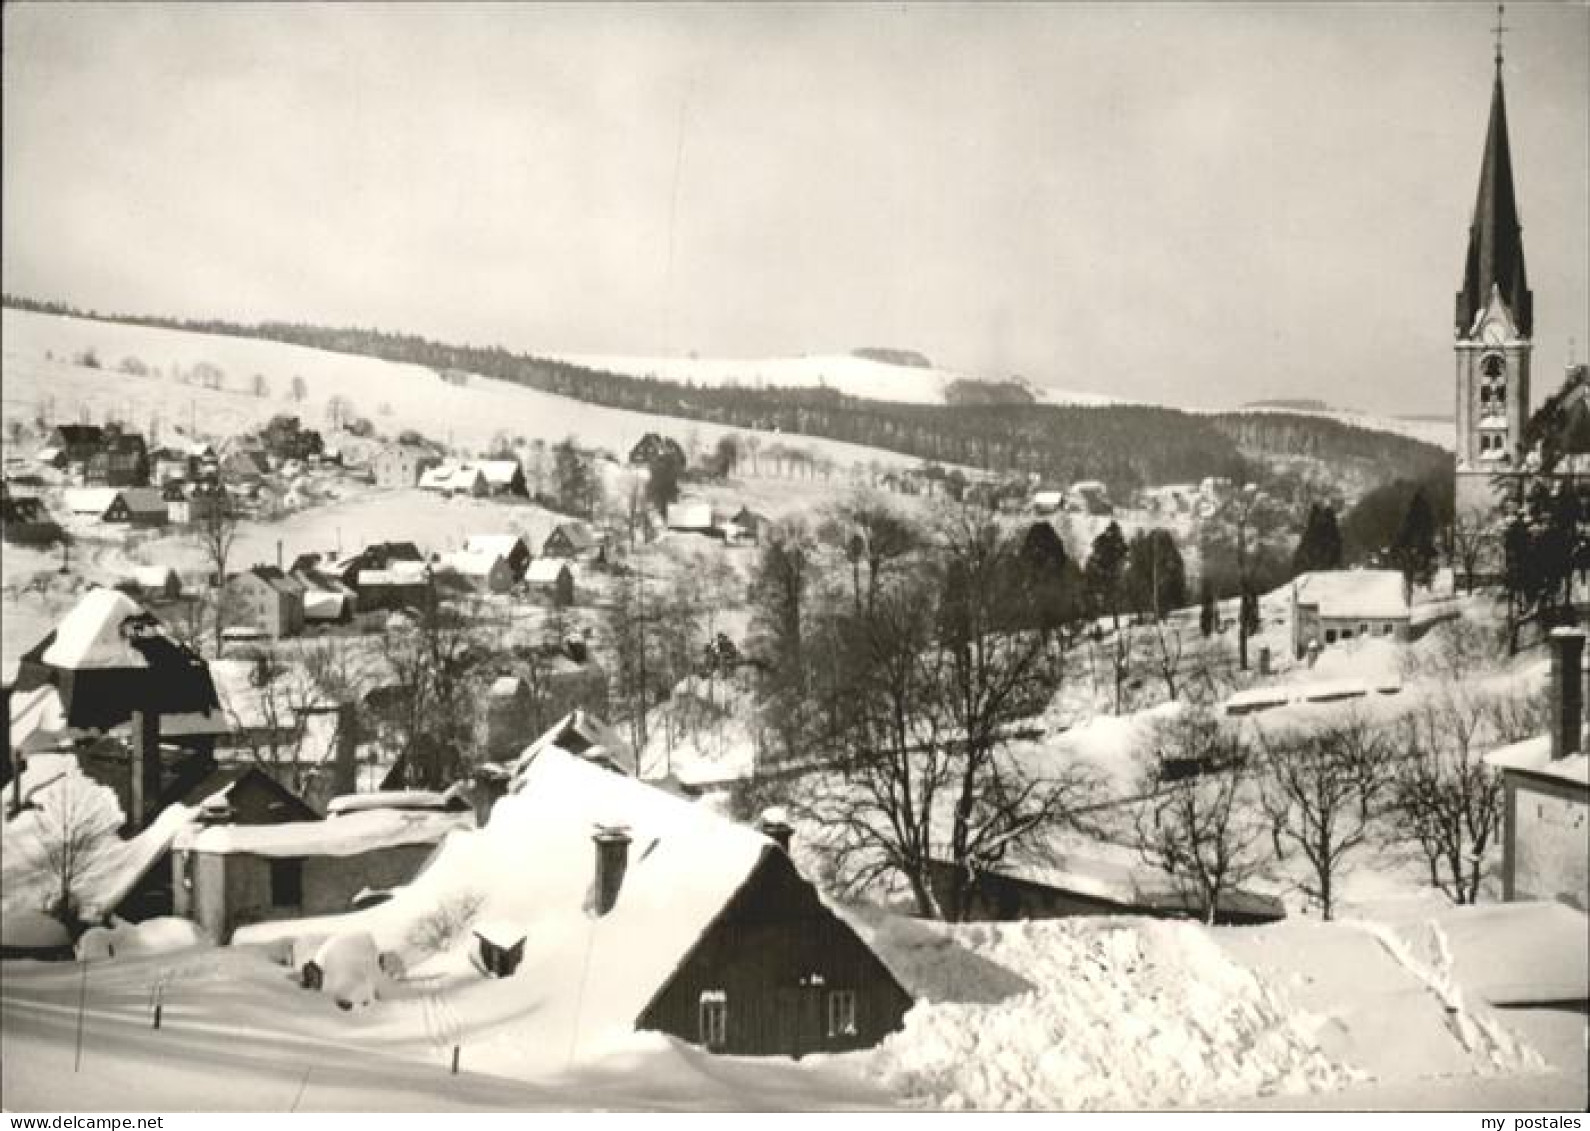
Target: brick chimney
612, 858
1567, 692
144, 769
776, 827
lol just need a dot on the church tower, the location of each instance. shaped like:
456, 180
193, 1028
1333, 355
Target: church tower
1494, 324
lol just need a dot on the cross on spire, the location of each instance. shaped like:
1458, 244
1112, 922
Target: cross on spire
1499, 29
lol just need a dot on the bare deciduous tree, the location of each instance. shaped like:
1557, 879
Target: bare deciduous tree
1449, 800
1319, 789
216, 530
73, 820
920, 711
1200, 828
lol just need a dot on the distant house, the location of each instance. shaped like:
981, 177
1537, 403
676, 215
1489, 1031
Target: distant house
190, 503
245, 465
137, 506
746, 526
90, 501
326, 599
1336, 605
1091, 497
504, 477
692, 516
153, 583
509, 547
653, 447
229, 876
121, 461
484, 572
266, 599
170, 465
568, 540
455, 479
25, 522
1048, 501
1546, 779
553, 578
71, 445
401, 465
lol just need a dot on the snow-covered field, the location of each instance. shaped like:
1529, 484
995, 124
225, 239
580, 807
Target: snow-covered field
1057, 1015
394, 397
854, 376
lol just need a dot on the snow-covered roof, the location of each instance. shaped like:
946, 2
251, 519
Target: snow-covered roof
502, 545
38, 718
472, 564
506, 685
346, 836
1048, 498
1368, 593
89, 500
1530, 953
1533, 755
544, 571
499, 472
319, 604
408, 799
579, 733
396, 573
90, 636
154, 576
690, 516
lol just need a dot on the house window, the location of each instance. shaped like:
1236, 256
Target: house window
842, 1013
714, 1019
1330, 636
1385, 630
1347, 634
287, 883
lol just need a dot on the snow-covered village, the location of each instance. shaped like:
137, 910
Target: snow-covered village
486, 628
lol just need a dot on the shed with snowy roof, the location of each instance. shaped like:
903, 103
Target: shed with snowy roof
227, 876
1329, 606
552, 578
511, 548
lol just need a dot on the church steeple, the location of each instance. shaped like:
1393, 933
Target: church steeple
1496, 241
1495, 324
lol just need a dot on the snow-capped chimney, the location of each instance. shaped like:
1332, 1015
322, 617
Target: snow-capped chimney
144, 769
612, 859
776, 827
1567, 692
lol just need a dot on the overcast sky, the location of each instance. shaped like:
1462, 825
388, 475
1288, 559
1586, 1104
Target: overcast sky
1197, 204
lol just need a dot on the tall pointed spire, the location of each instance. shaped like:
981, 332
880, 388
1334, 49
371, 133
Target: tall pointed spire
1496, 241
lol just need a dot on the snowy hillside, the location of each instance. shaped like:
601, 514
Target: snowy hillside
41, 378
853, 376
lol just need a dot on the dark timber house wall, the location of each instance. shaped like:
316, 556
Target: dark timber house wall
761, 953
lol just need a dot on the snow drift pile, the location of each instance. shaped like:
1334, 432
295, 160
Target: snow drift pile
1117, 1013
